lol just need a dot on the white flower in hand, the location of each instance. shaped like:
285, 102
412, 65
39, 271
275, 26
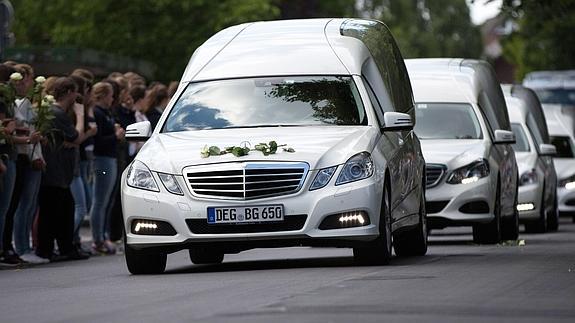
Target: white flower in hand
40, 79
49, 99
16, 76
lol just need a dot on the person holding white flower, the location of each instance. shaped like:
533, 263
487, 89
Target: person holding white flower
7, 156
29, 165
56, 218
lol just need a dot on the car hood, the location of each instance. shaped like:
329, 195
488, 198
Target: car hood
525, 161
319, 146
452, 152
564, 167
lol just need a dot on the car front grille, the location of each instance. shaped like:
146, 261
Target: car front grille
246, 181
434, 173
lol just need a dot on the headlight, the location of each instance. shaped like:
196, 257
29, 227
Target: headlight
529, 177
356, 168
170, 183
139, 176
322, 178
568, 183
470, 173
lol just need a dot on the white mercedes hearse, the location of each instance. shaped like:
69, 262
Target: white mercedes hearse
466, 139
282, 133
561, 133
537, 200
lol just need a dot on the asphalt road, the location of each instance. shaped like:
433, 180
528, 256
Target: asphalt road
456, 282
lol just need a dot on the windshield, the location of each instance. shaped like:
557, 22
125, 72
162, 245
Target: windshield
563, 145
521, 143
267, 102
556, 96
446, 121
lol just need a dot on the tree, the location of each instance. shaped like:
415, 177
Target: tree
165, 32
544, 38
438, 28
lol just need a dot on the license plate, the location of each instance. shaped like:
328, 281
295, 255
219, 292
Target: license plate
245, 214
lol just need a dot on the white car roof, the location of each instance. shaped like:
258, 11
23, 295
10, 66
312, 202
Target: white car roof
557, 123
516, 109
441, 80
288, 47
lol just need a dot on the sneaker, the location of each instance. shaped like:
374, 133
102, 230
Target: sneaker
33, 259
110, 247
11, 258
76, 255
98, 248
4, 263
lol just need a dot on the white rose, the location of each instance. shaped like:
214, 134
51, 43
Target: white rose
40, 79
16, 76
49, 98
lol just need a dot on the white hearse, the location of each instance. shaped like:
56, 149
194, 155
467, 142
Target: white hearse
561, 134
537, 200
215, 177
466, 139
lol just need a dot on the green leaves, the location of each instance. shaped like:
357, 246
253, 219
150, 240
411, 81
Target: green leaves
266, 149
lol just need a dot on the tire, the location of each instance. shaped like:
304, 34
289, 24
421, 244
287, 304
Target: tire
553, 218
378, 252
539, 225
142, 262
490, 233
202, 256
413, 242
510, 225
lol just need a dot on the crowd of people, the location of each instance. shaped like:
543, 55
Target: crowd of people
62, 151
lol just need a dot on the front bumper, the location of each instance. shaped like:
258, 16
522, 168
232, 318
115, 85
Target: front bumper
530, 194
566, 200
364, 195
457, 204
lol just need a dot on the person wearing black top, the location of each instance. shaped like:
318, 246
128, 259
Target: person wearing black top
105, 165
56, 218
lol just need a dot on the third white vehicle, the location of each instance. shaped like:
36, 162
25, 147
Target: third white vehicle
537, 201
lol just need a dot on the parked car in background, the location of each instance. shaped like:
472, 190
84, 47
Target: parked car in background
561, 135
337, 93
552, 87
556, 90
537, 200
466, 139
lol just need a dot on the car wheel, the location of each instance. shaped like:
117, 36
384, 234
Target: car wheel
142, 262
539, 225
490, 233
553, 218
510, 225
413, 242
378, 252
203, 256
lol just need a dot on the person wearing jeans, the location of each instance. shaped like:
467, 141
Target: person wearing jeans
105, 165
24, 217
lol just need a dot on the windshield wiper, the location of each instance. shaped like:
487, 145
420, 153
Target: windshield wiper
264, 126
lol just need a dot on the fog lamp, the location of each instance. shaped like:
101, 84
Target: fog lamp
152, 228
525, 207
345, 220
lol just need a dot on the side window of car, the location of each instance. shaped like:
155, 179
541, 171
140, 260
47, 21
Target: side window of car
488, 113
374, 102
534, 129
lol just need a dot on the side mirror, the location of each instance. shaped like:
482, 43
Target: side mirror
396, 121
504, 137
547, 150
139, 131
